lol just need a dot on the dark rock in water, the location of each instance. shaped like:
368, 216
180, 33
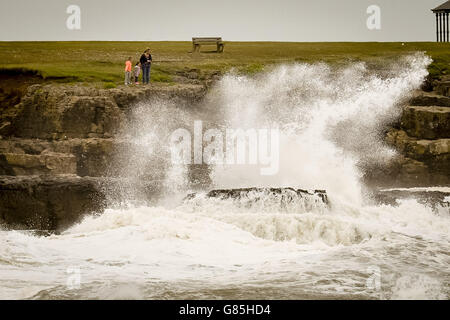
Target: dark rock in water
54, 203
267, 199
239, 193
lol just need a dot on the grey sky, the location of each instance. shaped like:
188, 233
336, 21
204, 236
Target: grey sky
238, 20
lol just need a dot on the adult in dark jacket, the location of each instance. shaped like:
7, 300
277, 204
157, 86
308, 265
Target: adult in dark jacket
146, 62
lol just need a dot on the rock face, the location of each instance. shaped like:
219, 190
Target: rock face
56, 145
55, 202
67, 112
422, 138
426, 122
71, 129
84, 157
430, 99
48, 203
17, 164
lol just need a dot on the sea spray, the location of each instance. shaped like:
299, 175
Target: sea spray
331, 121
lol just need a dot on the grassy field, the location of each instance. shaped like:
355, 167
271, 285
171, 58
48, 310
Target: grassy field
104, 61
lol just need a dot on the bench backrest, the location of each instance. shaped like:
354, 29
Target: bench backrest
204, 40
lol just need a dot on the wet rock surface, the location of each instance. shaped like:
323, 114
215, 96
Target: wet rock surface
287, 193
267, 199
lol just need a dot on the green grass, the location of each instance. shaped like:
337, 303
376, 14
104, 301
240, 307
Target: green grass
109, 85
104, 61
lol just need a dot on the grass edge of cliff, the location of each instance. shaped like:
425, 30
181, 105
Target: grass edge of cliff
101, 64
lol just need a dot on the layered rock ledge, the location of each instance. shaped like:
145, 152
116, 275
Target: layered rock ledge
421, 138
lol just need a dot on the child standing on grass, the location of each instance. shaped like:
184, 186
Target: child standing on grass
137, 72
128, 71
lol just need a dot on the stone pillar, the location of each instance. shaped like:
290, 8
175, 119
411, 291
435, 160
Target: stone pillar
444, 33
443, 27
447, 27
437, 27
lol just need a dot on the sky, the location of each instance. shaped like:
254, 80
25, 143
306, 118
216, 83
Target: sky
233, 20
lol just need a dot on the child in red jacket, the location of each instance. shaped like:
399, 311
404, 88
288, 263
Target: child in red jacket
128, 71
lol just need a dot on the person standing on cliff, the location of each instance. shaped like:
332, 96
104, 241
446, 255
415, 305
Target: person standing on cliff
137, 72
146, 62
128, 71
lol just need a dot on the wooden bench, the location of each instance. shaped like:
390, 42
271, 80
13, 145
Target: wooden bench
197, 42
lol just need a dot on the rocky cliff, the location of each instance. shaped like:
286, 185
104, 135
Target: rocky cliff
59, 129
422, 139
56, 142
